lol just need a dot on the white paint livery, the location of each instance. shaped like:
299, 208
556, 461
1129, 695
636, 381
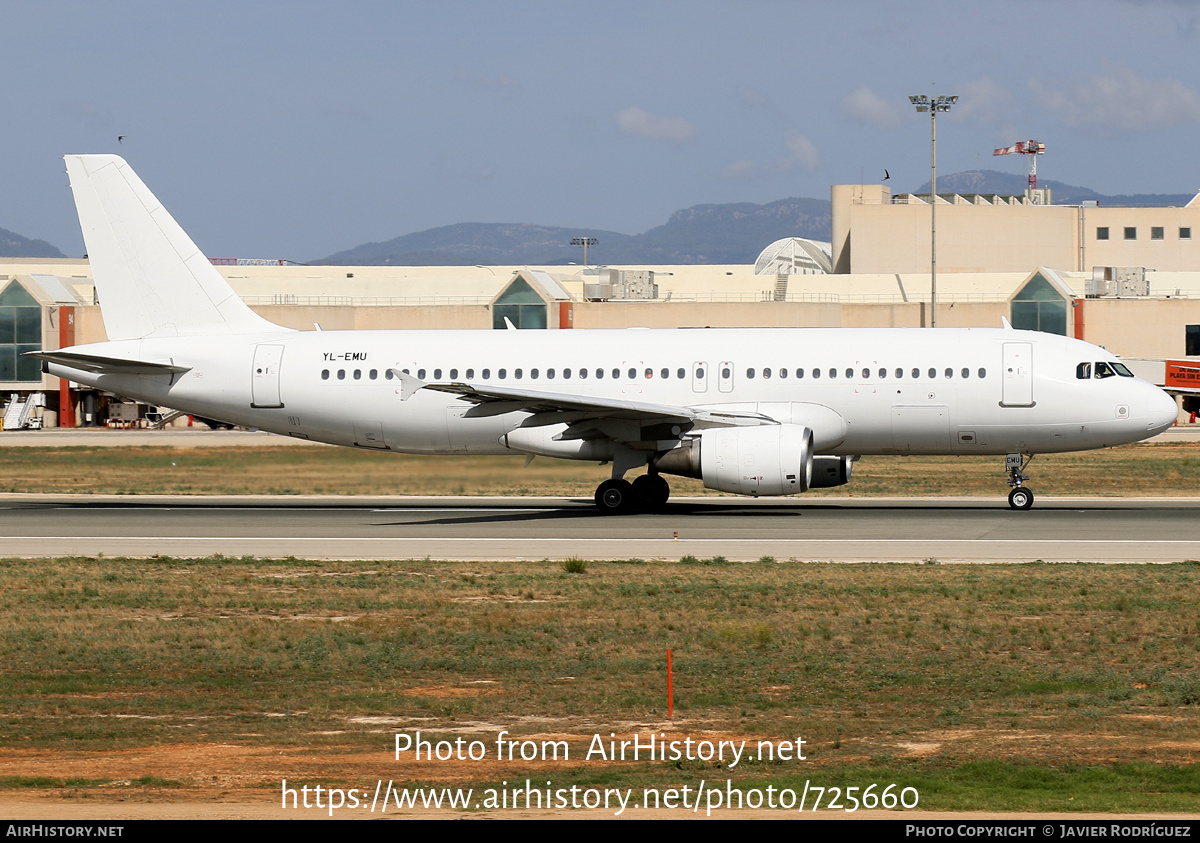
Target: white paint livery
758, 412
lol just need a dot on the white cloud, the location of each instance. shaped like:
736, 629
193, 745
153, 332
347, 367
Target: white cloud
635, 121
865, 106
1120, 101
983, 102
802, 151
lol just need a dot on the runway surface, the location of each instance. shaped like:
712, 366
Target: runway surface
861, 529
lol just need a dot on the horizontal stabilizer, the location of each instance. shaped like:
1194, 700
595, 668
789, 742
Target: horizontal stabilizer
107, 365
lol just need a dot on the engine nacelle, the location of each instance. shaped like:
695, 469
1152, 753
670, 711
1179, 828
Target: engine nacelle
831, 471
763, 460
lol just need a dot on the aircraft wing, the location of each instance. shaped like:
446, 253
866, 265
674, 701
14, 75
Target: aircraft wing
579, 411
107, 365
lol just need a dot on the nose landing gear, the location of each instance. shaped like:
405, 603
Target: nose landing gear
1019, 497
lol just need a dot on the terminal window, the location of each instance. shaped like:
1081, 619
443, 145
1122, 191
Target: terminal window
1156, 232
20, 331
1102, 232
1192, 341
1130, 232
1185, 233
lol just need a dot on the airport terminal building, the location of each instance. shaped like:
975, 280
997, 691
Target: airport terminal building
1127, 279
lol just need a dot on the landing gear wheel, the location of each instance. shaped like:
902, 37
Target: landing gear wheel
651, 491
1020, 498
614, 497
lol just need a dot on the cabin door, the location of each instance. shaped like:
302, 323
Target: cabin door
1017, 375
264, 381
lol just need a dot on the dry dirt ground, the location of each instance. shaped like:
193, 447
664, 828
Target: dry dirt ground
225, 781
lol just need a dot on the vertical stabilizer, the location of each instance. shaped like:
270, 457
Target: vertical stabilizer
151, 279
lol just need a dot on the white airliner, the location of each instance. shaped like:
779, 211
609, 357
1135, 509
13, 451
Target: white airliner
752, 412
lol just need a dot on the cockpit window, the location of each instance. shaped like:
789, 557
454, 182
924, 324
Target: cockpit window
1083, 371
1104, 370
1123, 370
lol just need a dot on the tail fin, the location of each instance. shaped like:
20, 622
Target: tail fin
151, 279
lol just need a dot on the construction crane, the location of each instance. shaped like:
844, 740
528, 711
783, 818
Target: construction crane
1033, 149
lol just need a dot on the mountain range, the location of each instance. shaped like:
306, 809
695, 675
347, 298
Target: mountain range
731, 233
15, 246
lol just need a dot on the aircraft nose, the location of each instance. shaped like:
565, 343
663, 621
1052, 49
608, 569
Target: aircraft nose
1161, 412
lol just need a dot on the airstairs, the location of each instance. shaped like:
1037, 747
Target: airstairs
19, 413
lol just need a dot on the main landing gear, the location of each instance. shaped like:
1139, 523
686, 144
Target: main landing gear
647, 493
1019, 497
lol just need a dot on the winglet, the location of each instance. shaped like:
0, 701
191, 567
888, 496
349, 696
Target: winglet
1007, 325
509, 325
408, 384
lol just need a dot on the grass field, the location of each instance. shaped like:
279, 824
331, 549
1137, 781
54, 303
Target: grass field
1172, 469
1002, 688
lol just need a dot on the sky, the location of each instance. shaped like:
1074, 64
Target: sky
297, 129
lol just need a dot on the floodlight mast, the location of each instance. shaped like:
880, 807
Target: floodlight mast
584, 242
933, 104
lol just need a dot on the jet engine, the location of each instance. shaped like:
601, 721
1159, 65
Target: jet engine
831, 471
763, 460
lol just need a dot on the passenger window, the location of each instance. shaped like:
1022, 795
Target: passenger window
358, 374
766, 373
649, 373
453, 374
617, 374
899, 374
867, 374
849, 374
916, 373
726, 373
517, 374
421, 374
966, 373
783, 373
487, 374
665, 373
324, 374
583, 374
502, 374
700, 373
932, 373
833, 373
407, 372
1083, 371
470, 374
800, 373
533, 374
437, 374
599, 374
882, 373
949, 372
633, 374
681, 373
566, 373
750, 374
816, 373
550, 374
983, 373
341, 374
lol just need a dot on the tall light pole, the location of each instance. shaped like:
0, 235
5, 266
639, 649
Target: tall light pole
584, 242
932, 104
